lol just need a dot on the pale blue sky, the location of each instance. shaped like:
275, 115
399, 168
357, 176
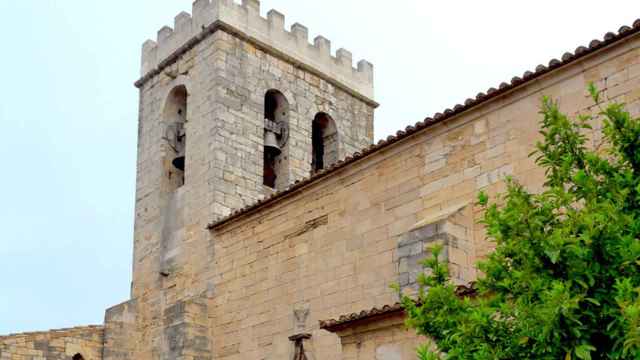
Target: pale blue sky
68, 113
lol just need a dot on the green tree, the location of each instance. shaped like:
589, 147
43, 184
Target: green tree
564, 280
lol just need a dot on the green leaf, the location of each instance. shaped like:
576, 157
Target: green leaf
553, 255
593, 301
584, 351
483, 198
565, 268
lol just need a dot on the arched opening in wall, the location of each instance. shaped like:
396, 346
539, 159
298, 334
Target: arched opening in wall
276, 134
77, 357
324, 140
175, 137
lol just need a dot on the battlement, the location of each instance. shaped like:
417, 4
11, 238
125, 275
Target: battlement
245, 19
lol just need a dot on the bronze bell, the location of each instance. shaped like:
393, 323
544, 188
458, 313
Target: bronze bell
271, 144
180, 148
178, 161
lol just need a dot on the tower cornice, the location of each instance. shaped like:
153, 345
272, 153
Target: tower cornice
267, 34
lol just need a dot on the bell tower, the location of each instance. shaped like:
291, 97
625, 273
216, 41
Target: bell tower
228, 114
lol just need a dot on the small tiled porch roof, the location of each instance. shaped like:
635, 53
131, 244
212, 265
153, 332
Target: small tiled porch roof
378, 313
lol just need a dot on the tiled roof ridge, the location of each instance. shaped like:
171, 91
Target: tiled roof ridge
540, 70
345, 320
335, 324
54, 331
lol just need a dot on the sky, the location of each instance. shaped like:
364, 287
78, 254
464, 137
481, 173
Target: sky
68, 112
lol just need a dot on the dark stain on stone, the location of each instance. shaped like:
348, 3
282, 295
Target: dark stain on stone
309, 226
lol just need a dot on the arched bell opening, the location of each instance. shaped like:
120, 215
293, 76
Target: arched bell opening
175, 137
77, 357
276, 133
324, 142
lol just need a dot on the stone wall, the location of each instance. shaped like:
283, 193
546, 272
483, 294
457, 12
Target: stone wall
121, 337
265, 277
226, 75
450, 228
269, 32
336, 245
385, 339
61, 344
243, 75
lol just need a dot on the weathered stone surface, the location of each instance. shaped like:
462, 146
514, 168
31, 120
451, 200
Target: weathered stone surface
329, 248
120, 334
226, 77
60, 344
245, 19
384, 213
385, 339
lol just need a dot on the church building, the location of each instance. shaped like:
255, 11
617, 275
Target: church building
268, 225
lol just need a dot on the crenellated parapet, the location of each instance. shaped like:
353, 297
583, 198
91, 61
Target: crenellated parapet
270, 33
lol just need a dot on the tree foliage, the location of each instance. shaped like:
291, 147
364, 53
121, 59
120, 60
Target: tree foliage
564, 280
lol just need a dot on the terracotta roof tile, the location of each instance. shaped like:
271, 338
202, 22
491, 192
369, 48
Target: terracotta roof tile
540, 70
346, 321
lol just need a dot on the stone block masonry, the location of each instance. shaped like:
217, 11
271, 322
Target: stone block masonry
384, 338
245, 20
218, 66
383, 211
61, 344
256, 282
451, 229
120, 333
